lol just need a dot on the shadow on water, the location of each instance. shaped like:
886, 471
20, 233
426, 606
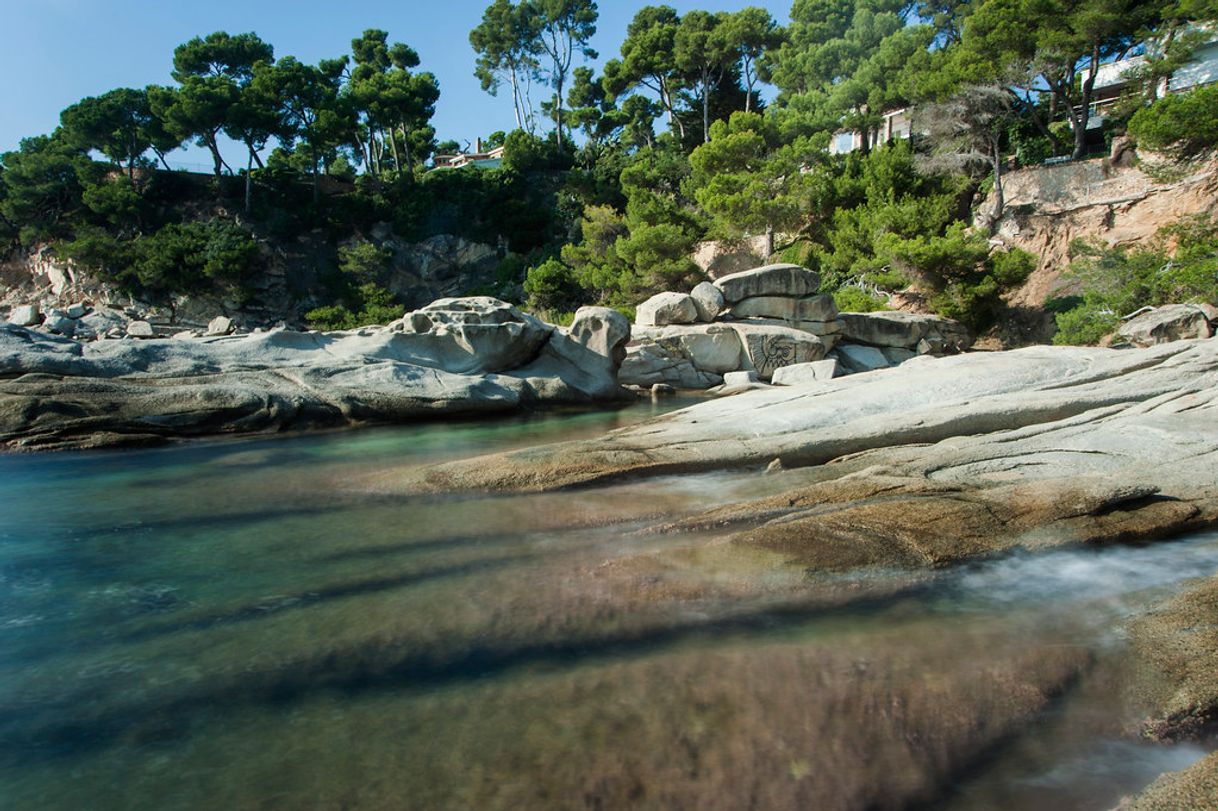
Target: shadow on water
35, 733
551, 606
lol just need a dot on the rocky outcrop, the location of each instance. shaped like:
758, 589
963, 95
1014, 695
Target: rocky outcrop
697, 356
961, 455
778, 319
663, 309
1049, 207
1174, 322
769, 280
908, 331
456, 356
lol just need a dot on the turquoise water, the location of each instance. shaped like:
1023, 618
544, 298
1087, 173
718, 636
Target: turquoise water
268, 624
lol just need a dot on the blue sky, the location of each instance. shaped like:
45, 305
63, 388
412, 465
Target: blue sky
55, 52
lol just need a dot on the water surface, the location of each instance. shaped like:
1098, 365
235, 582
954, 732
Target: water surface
254, 625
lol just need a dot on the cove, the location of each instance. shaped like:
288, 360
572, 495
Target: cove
249, 625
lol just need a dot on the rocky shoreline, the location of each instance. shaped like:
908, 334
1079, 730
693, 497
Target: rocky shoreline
455, 357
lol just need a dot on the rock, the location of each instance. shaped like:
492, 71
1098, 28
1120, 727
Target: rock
767, 348
708, 300
1193, 788
1138, 417
185, 335
896, 356
476, 335
800, 373
1173, 322
26, 315
663, 309
733, 379
770, 280
581, 363
59, 323
220, 325
903, 330
78, 310
717, 259
478, 355
649, 362
819, 309
713, 348
855, 359
140, 329
662, 390
103, 319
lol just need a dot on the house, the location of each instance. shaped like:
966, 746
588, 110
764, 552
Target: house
896, 124
479, 159
1117, 79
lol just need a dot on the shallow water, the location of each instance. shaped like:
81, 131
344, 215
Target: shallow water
260, 624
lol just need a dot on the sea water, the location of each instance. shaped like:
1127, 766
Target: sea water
274, 623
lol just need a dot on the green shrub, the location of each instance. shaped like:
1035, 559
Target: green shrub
1179, 265
551, 286
375, 306
1179, 124
1084, 325
857, 300
195, 256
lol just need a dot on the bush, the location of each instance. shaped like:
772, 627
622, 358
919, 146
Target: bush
857, 300
1177, 266
551, 286
194, 256
375, 306
1084, 325
1179, 124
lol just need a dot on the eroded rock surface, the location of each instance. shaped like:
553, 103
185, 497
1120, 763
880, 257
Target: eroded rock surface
456, 356
939, 459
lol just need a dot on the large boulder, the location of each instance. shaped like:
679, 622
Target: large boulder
819, 309
26, 315
855, 358
582, 361
1174, 322
770, 280
904, 330
663, 309
800, 373
708, 299
768, 348
475, 335
694, 356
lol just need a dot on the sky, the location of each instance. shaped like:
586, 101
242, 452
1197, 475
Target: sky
55, 52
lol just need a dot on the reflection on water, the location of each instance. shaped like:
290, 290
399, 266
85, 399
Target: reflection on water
249, 625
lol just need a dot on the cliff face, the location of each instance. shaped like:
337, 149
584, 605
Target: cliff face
290, 282
1117, 204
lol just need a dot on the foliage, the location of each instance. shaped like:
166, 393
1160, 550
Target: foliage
1177, 266
371, 305
1180, 124
853, 299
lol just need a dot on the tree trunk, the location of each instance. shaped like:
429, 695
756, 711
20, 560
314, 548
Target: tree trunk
406, 150
516, 98
161, 157
249, 188
705, 107
397, 158
999, 198
1080, 132
558, 109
